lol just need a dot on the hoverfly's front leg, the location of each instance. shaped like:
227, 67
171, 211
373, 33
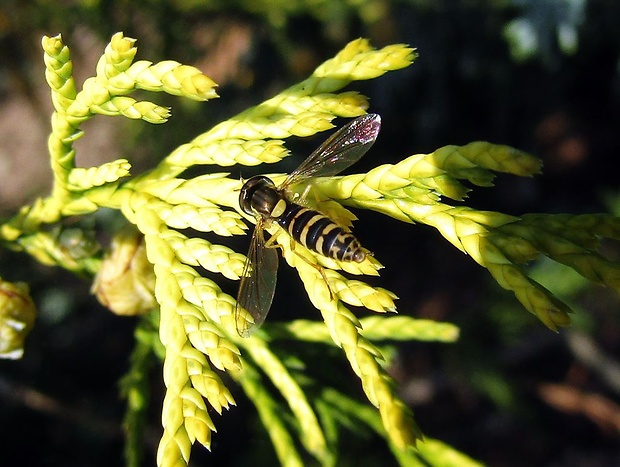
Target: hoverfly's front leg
271, 243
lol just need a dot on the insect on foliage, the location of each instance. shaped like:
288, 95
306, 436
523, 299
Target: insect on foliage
261, 198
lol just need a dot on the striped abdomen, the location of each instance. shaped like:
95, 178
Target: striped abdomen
319, 233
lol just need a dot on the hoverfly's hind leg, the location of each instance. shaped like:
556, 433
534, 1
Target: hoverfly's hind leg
324, 276
271, 243
320, 269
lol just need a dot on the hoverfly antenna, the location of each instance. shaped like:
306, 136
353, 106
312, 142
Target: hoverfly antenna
241, 179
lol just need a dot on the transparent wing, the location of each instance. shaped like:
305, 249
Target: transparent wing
339, 151
258, 284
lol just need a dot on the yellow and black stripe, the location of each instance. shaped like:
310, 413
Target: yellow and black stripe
312, 229
319, 233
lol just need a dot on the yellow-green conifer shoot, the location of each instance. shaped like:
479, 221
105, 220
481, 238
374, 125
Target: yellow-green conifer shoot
179, 221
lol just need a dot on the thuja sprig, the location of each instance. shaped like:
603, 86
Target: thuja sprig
17, 315
103, 94
196, 324
363, 356
412, 189
248, 138
336, 405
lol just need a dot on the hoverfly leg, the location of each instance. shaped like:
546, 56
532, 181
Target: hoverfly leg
320, 270
304, 194
301, 198
324, 276
271, 242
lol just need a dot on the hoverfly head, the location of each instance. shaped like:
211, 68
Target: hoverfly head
257, 196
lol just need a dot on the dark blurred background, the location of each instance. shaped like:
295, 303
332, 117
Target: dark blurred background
542, 76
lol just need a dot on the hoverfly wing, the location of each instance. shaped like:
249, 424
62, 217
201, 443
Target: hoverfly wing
339, 151
258, 284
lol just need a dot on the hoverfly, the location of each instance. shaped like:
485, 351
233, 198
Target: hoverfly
260, 198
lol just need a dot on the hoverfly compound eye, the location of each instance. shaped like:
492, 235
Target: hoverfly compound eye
249, 188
